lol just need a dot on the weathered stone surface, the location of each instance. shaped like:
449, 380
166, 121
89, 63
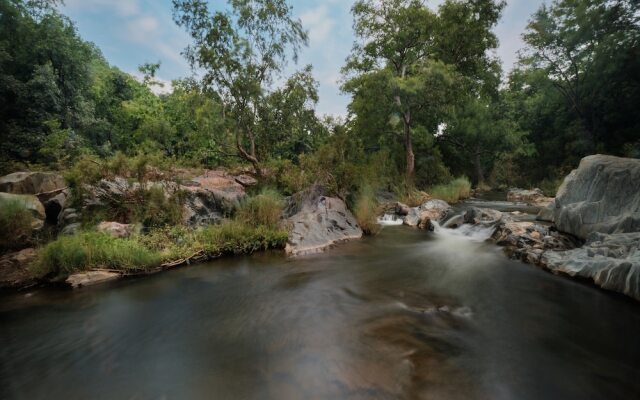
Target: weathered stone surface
546, 213
484, 216
612, 261
89, 278
602, 195
316, 222
246, 180
534, 197
115, 229
31, 182
422, 216
402, 209
210, 197
31, 203
14, 271
528, 241
54, 205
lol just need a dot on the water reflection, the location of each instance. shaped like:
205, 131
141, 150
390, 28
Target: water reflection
405, 315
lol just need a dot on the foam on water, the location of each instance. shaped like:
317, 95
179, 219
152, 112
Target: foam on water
389, 220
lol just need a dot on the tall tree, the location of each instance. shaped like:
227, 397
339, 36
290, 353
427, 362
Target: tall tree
239, 52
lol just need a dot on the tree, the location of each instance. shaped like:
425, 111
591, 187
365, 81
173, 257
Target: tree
239, 52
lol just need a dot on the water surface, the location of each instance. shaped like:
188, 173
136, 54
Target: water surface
405, 315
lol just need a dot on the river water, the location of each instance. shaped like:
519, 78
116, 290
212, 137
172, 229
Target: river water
407, 314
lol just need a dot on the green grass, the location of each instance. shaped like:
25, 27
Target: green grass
92, 250
452, 192
15, 224
263, 209
366, 211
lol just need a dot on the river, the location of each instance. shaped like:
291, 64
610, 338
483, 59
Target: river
407, 314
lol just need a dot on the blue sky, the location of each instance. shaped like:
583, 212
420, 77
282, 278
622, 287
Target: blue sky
132, 32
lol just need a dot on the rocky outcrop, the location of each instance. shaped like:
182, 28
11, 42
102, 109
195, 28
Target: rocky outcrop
528, 241
612, 261
316, 221
32, 183
89, 278
31, 203
423, 216
212, 196
534, 197
115, 229
14, 273
546, 213
601, 195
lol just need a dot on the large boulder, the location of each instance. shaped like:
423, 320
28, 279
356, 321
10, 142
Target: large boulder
612, 261
602, 195
210, 197
32, 183
428, 212
31, 203
316, 221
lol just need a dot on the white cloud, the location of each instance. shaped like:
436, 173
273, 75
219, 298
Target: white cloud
124, 8
319, 23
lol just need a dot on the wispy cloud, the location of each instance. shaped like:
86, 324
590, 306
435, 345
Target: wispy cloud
319, 23
123, 8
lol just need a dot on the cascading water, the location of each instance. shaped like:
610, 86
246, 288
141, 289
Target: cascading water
389, 220
475, 233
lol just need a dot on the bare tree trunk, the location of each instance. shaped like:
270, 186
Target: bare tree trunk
251, 157
479, 170
410, 157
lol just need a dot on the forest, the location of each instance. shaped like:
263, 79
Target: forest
430, 101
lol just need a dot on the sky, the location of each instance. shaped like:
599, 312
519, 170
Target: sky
133, 32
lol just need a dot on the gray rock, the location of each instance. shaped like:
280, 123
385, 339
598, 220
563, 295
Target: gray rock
612, 261
31, 203
534, 197
89, 278
602, 195
484, 216
53, 206
546, 213
116, 229
31, 182
14, 269
422, 216
316, 222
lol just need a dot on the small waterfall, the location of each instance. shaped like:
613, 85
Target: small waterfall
389, 220
475, 233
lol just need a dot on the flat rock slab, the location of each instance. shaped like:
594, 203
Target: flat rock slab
89, 278
31, 182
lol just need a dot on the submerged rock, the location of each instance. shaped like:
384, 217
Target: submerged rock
89, 278
601, 195
612, 261
316, 221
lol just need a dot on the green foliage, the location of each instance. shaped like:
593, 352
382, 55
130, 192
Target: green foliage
264, 209
15, 224
238, 238
452, 192
91, 250
366, 210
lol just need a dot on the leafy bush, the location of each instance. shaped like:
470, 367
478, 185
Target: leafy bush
263, 209
453, 191
366, 210
90, 250
15, 224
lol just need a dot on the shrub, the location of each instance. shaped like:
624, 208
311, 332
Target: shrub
90, 250
263, 209
550, 186
15, 224
453, 191
409, 195
366, 210
234, 237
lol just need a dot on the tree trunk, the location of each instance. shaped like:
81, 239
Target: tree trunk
408, 146
479, 171
251, 157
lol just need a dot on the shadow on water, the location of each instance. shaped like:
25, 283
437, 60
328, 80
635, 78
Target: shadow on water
404, 315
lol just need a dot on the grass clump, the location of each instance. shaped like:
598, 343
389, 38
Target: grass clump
366, 210
263, 209
454, 191
92, 250
15, 224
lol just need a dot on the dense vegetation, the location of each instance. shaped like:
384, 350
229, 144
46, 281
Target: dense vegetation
430, 102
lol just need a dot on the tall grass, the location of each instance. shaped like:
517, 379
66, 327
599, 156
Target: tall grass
366, 210
90, 250
263, 209
15, 224
454, 191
